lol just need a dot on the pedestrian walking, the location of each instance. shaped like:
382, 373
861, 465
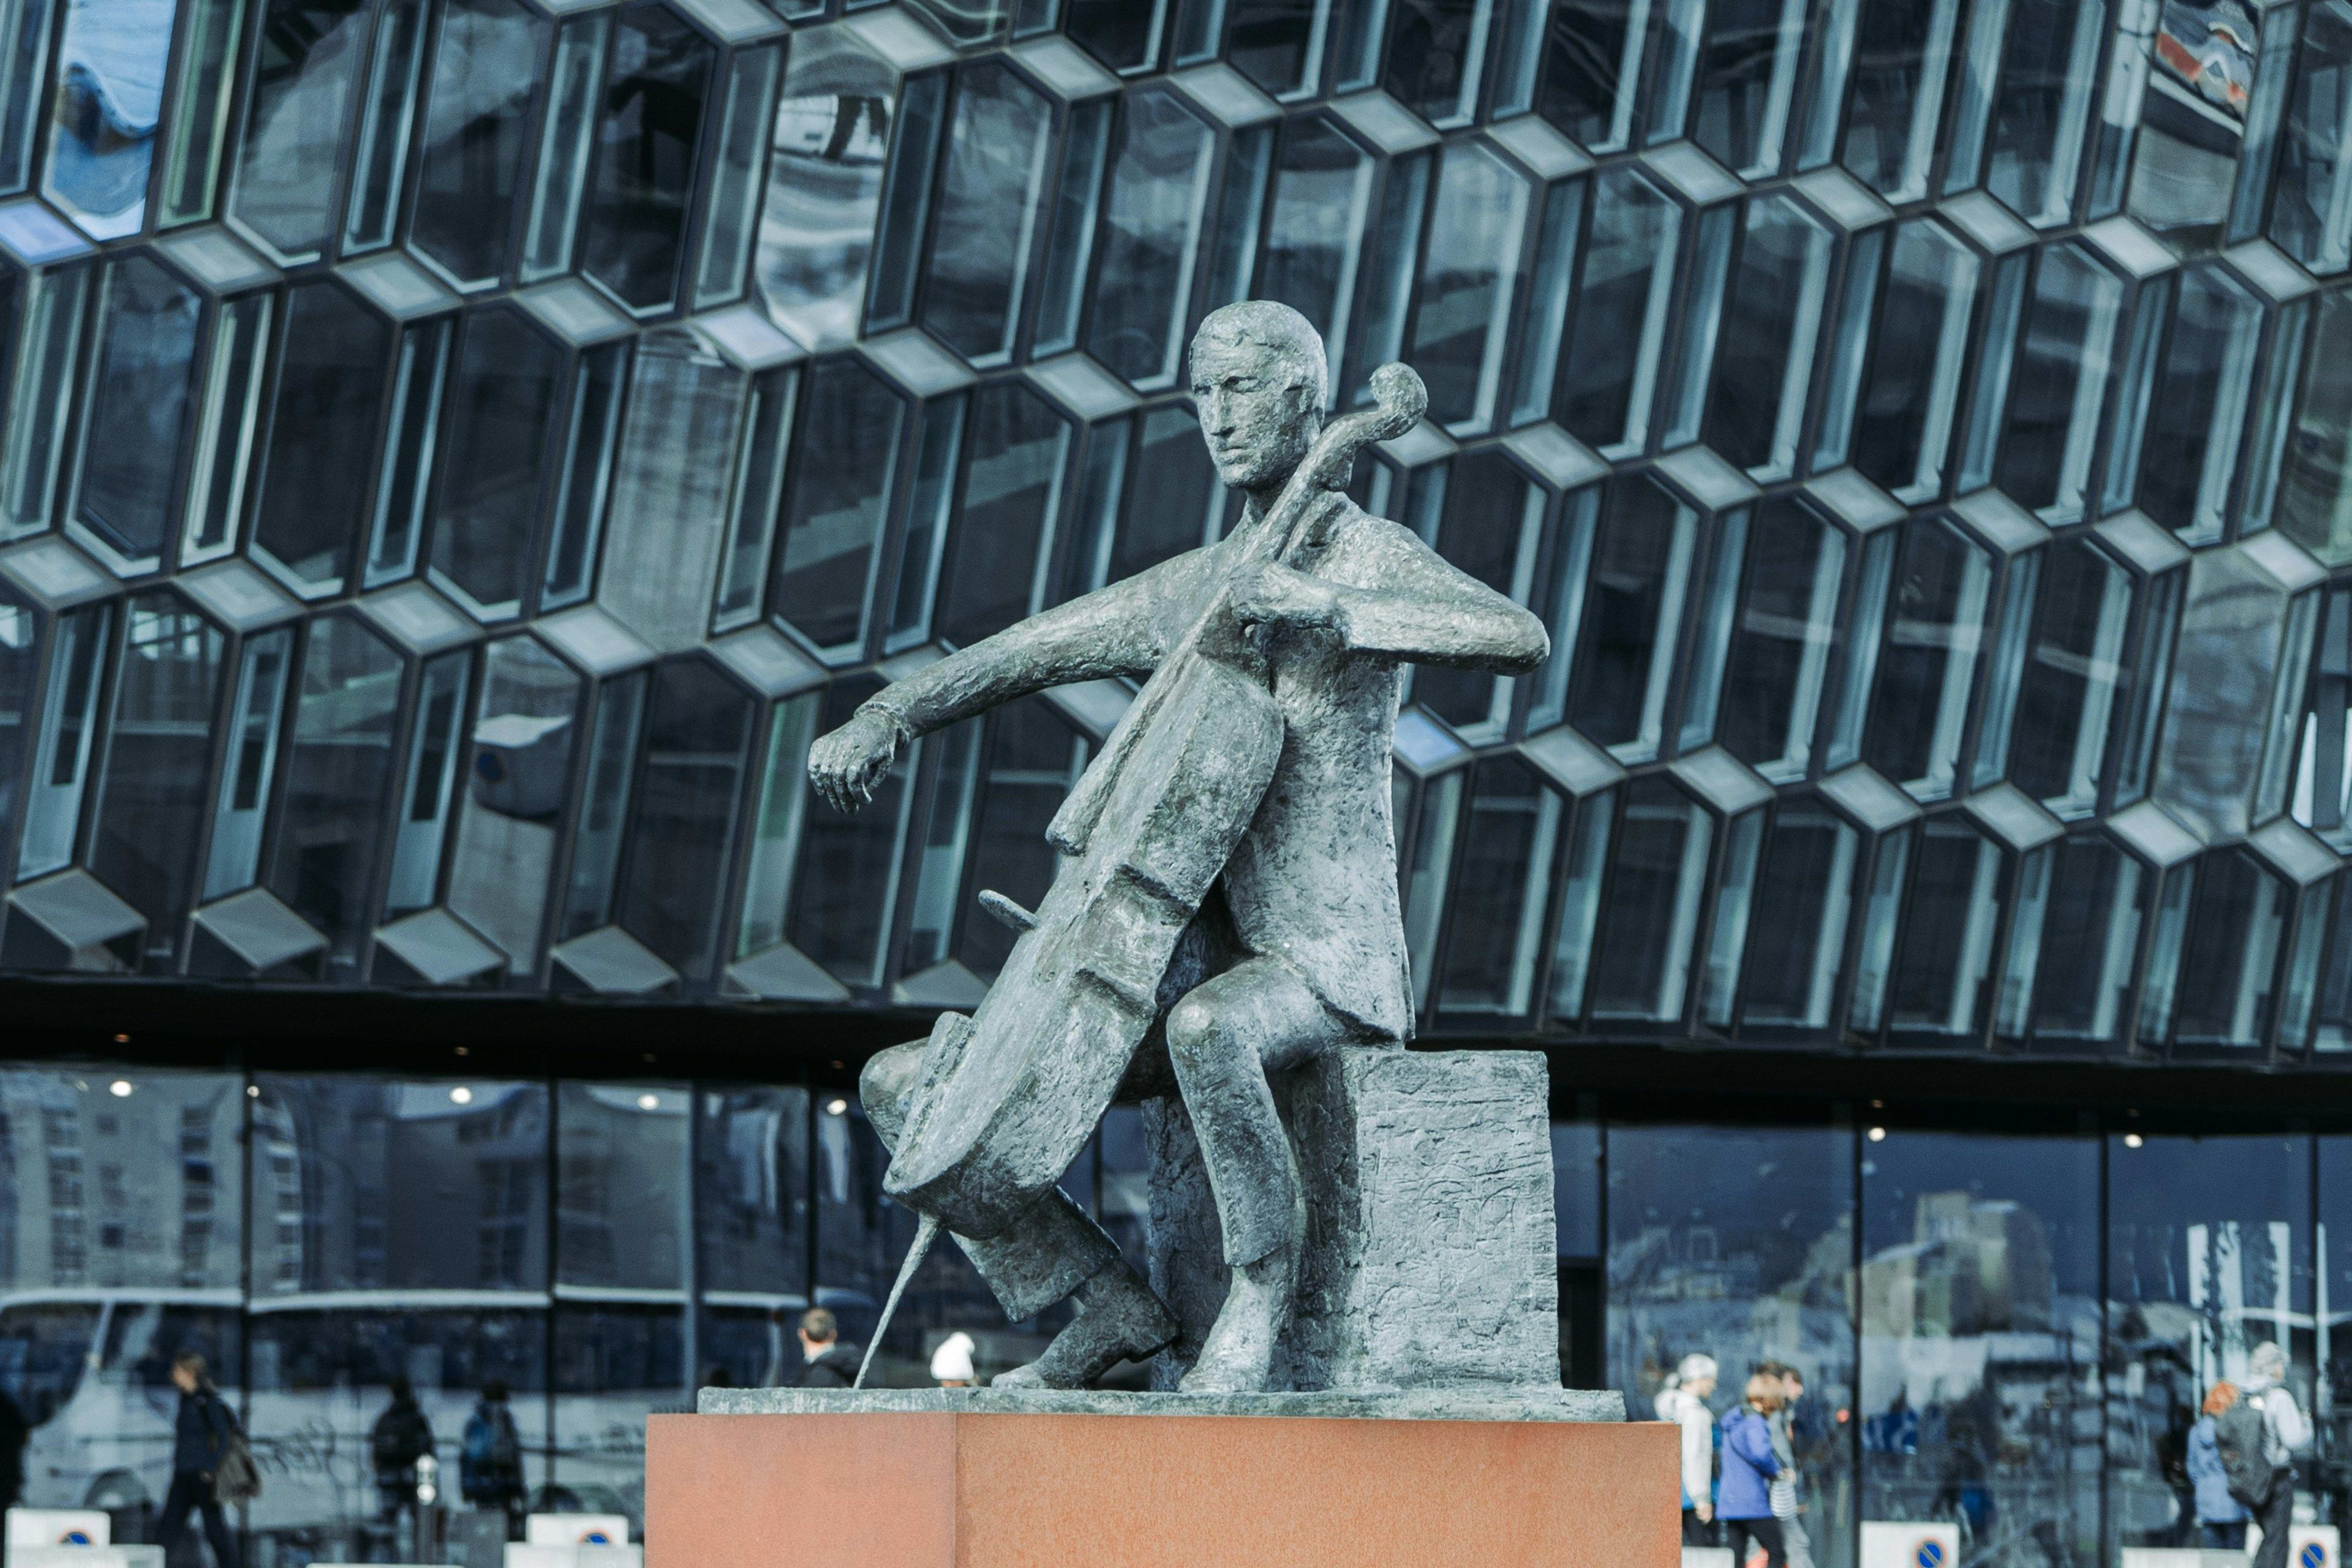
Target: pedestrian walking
489, 1462
1683, 1401
203, 1434
400, 1436
2270, 1497
1749, 1469
1786, 1436
2221, 1518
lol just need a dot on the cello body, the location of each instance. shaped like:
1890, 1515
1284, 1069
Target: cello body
1005, 1105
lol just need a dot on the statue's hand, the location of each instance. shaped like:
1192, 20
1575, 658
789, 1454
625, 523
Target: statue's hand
1269, 594
847, 764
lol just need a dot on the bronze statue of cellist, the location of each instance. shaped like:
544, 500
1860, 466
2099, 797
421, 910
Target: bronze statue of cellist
1291, 938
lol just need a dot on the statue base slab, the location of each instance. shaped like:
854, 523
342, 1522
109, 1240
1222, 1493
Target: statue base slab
979, 1479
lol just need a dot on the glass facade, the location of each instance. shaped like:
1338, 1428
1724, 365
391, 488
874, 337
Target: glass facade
458, 453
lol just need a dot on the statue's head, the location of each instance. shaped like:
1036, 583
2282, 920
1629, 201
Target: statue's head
1259, 381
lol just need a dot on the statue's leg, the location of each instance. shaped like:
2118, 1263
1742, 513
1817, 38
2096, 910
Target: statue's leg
1051, 1251
1224, 1039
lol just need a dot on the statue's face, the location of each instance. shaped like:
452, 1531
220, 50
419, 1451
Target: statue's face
1259, 425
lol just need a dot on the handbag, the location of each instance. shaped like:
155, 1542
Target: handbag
236, 1480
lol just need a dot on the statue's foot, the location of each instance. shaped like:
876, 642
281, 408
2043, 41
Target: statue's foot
1118, 1319
1238, 1355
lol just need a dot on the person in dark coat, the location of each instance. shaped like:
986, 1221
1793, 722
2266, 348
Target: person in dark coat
200, 1435
827, 1361
400, 1436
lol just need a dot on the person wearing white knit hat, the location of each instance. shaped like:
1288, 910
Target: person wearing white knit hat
952, 1362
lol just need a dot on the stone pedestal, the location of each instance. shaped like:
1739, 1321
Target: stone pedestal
1431, 1252
930, 1478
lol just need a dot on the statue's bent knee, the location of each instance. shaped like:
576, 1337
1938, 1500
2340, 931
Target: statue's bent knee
886, 1085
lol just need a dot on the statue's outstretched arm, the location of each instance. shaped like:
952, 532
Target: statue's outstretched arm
1113, 631
1428, 611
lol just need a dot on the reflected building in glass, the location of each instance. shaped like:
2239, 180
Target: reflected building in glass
455, 456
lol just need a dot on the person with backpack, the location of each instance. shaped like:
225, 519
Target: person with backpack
1749, 1467
2255, 1440
204, 1437
489, 1465
2221, 1518
400, 1436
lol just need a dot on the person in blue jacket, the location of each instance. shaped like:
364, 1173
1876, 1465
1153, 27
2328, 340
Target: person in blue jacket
1744, 1501
2221, 1518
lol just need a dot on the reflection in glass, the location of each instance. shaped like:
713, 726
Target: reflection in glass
622, 1202
1030, 760
1437, 50
986, 213
2229, 957
1505, 861
1911, 394
759, 484
304, 71
1161, 169
1656, 884
1466, 274
1277, 44
24, 70
2072, 941
1771, 325
635, 227
1747, 82
18, 632
567, 140
2322, 785
397, 525
578, 523
485, 75
697, 725
379, 160
907, 200
1875, 955
436, 754
1554, 271
1428, 875
1980, 1325
2311, 214
1014, 458
1711, 642
605, 803
1902, 54
847, 891
2067, 691
615, 1363
1780, 642
256, 717
504, 396
835, 500
1077, 196
1940, 979
2055, 379
322, 432
1491, 527
825, 185
1593, 70
338, 779
1322, 192
1926, 667
923, 546
2197, 413
158, 761
1632, 619
1580, 904
140, 388
518, 782
1692, 1209
2209, 1255
728, 227
751, 1196
61, 754
1620, 320
40, 391
1796, 933
227, 420
775, 843
110, 98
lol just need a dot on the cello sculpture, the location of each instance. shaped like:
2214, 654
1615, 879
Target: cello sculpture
1227, 906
